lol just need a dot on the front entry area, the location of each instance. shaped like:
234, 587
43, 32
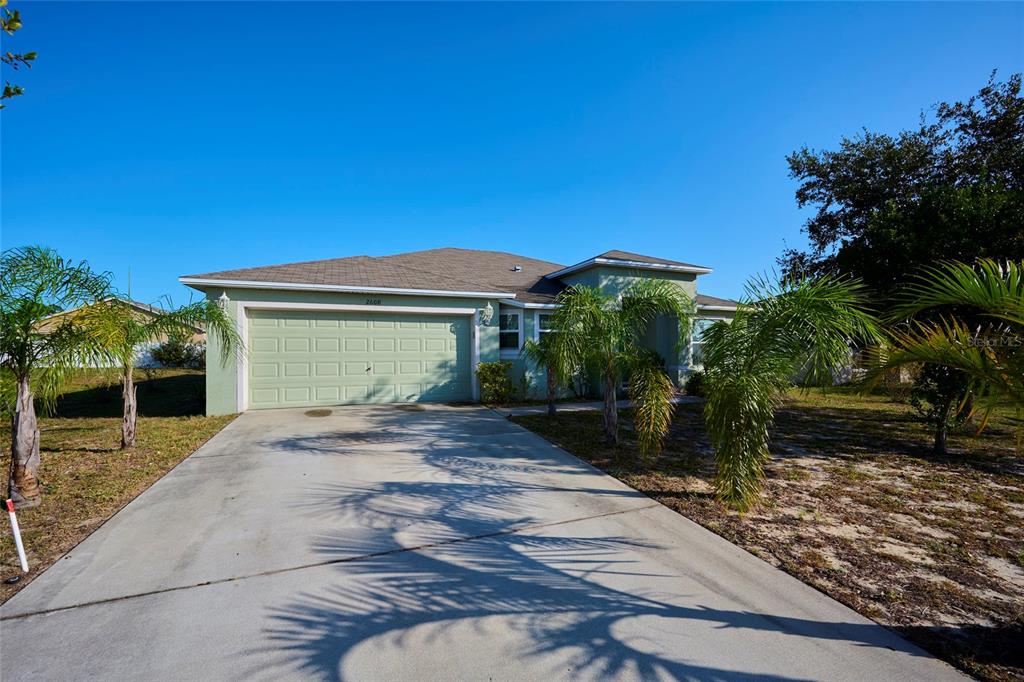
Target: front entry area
303, 358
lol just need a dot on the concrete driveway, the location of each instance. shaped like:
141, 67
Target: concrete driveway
446, 543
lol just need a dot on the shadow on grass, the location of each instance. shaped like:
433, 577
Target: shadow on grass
177, 395
974, 644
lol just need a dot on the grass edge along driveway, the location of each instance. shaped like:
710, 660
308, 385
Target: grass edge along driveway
86, 479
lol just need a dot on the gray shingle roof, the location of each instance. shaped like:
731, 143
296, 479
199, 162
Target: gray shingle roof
704, 299
446, 269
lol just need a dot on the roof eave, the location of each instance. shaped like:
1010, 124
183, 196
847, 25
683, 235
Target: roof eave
202, 283
528, 304
630, 265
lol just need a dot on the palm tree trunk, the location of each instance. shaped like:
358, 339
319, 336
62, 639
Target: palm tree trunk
611, 411
128, 390
23, 484
942, 428
551, 393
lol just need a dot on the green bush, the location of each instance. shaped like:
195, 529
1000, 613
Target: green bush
496, 387
176, 351
695, 384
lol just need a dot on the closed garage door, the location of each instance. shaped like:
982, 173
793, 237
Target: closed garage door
300, 358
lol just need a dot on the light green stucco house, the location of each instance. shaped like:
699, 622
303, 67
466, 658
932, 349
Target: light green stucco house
413, 326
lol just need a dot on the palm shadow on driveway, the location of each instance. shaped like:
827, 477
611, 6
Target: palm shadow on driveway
462, 546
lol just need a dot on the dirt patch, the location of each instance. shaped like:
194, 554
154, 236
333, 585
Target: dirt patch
317, 413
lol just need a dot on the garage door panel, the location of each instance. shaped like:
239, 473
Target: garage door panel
328, 393
356, 345
264, 345
321, 358
327, 369
326, 345
296, 369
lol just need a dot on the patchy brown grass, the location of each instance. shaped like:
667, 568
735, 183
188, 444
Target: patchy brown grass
85, 477
856, 505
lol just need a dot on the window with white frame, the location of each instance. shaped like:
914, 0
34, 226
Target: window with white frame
697, 341
543, 325
509, 328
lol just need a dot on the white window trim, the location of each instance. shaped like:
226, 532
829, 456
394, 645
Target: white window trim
242, 327
703, 318
508, 353
536, 323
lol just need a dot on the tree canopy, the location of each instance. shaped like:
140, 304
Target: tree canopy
951, 188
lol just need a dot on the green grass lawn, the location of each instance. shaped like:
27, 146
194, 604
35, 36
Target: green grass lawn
85, 477
856, 505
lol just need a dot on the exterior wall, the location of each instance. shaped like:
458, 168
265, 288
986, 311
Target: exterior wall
222, 378
665, 337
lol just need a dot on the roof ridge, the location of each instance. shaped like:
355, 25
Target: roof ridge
464, 250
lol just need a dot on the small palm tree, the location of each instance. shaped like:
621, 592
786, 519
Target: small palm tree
979, 329
602, 333
797, 326
543, 354
119, 328
37, 356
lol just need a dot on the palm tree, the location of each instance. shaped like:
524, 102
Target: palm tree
602, 333
36, 283
979, 329
118, 328
794, 327
543, 354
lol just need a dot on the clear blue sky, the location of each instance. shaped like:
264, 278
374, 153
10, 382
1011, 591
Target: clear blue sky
189, 137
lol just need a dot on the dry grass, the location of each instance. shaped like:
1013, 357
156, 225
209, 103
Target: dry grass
856, 505
86, 478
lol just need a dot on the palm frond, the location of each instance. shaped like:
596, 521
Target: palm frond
992, 288
956, 295
651, 392
784, 328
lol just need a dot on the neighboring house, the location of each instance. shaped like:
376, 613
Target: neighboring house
143, 352
412, 326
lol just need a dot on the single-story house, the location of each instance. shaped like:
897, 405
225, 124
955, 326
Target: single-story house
143, 352
412, 326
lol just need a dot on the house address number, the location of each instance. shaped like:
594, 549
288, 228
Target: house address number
372, 301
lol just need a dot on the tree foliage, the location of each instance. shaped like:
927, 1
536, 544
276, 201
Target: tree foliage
10, 22
951, 188
544, 355
797, 326
117, 328
39, 351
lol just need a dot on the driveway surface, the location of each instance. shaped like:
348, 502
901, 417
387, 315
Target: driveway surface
381, 543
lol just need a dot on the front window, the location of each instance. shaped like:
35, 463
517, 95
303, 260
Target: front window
508, 331
543, 325
697, 342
